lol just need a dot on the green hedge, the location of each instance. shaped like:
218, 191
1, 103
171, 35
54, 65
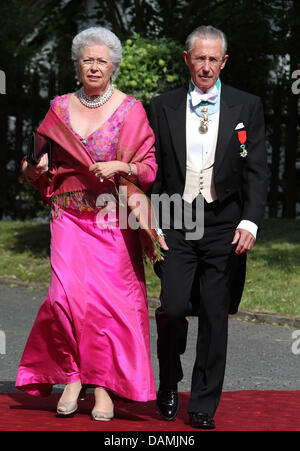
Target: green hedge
150, 66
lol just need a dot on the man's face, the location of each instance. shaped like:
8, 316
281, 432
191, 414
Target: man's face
205, 62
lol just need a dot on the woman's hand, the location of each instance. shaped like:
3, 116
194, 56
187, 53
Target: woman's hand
31, 172
163, 245
152, 253
108, 169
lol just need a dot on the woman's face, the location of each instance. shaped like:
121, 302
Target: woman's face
95, 69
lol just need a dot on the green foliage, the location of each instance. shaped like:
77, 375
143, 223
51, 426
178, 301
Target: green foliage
150, 66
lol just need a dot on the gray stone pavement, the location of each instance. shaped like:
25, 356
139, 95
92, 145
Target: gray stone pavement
260, 356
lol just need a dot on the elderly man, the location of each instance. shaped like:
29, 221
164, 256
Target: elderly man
210, 146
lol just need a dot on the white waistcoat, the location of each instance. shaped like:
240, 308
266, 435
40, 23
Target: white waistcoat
200, 158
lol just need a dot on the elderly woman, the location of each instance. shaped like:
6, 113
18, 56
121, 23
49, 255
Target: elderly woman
93, 328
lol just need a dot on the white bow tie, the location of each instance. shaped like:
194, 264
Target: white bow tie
198, 96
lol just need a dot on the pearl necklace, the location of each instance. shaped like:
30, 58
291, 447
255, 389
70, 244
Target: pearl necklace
95, 101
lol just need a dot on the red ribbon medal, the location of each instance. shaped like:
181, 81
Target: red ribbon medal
242, 135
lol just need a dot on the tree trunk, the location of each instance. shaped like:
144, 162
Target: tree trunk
4, 153
276, 144
291, 157
292, 125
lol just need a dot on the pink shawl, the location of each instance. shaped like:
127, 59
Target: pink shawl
71, 163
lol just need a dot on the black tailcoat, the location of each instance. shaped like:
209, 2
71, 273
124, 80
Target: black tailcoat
246, 177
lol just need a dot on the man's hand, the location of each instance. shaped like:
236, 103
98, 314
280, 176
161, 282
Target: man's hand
244, 239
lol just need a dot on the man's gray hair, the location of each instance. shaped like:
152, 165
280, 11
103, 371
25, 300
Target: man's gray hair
205, 32
98, 36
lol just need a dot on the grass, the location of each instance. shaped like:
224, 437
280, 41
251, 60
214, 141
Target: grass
24, 252
273, 274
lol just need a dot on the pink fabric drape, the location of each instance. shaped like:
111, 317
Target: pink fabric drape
136, 145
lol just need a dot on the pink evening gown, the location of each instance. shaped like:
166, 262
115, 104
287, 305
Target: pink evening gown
94, 324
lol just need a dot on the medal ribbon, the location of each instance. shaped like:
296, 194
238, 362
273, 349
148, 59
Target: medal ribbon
242, 135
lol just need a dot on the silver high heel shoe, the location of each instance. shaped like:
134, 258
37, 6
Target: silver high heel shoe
67, 408
99, 415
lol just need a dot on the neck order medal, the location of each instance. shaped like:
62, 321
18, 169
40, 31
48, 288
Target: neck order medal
203, 128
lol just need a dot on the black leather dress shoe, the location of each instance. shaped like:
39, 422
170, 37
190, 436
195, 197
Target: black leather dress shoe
202, 421
167, 403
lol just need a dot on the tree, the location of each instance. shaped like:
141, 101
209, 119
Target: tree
36, 36
284, 17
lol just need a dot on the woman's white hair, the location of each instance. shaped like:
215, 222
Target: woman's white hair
205, 32
98, 36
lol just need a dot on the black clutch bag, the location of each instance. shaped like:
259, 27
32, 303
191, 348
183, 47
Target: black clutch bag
38, 145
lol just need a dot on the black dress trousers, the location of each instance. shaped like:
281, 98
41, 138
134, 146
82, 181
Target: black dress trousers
196, 278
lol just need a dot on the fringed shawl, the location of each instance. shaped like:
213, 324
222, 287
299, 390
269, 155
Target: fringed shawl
71, 162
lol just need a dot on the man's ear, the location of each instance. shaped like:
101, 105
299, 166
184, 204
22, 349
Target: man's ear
225, 59
186, 57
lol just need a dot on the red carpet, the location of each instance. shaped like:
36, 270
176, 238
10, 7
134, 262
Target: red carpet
238, 411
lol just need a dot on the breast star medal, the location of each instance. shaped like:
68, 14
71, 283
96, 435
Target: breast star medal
242, 135
203, 128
